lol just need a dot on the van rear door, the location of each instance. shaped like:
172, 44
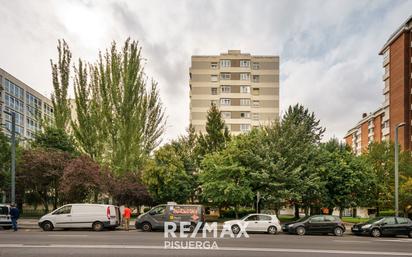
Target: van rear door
113, 215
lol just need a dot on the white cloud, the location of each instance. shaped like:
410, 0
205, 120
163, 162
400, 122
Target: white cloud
328, 49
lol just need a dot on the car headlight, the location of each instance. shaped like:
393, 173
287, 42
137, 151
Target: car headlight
366, 226
291, 225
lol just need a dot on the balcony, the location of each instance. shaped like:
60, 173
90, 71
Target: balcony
385, 76
385, 131
385, 61
385, 103
385, 89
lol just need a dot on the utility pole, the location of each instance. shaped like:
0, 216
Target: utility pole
397, 168
13, 156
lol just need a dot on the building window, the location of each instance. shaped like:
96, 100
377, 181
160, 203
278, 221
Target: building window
224, 63
225, 102
245, 102
225, 76
244, 127
244, 63
255, 78
256, 66
14, 90
227, 115
245, 89
255, 116
255, 91
214, 90
256, 103
245, 115
244, 76
213, 78
213, 65
225, 89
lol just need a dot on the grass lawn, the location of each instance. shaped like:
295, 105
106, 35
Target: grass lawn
354, 220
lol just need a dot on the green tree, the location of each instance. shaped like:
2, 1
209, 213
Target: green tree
54, 138
166, 178
217, 133
300, 134
347, 177
132, 113
380, 156
225, 181
5, 160
185, 148
60, 79
88, 127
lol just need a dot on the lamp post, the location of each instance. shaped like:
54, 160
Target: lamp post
13, 156
397, 167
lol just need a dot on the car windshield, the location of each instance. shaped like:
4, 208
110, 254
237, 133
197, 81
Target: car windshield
374, 220
245, 217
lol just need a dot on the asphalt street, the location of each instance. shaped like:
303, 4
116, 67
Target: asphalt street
34, 242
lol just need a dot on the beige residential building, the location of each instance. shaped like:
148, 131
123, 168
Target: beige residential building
28, 104
243, 86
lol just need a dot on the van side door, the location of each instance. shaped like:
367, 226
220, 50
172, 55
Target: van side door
62, 217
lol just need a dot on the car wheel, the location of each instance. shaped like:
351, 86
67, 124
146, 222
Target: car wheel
97, 226
410, 234
47, 226
338, 231
146, 227
375, 232
235, 229
300, 231
191, 228
272, 230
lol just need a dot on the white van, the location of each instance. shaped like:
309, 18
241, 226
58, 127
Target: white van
95, 216
5, 219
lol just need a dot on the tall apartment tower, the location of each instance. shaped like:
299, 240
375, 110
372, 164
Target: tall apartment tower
28, 104
397, 106
244, 87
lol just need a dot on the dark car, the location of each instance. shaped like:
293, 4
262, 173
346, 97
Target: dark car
384, 226
317, 224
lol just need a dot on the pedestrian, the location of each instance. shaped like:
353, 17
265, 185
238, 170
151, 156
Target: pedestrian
14, 215
126, 215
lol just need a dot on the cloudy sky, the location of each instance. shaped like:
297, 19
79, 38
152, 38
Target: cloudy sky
328, 49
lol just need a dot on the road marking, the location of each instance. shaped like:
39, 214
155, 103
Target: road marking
247, 249
395, 240
351, 241
68, 235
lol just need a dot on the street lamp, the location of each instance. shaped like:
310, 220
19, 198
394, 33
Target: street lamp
13, 155
397, 167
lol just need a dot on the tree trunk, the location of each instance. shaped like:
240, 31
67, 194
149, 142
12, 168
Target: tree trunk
330, 211
297, 211
237, 211
377, 211
340, 212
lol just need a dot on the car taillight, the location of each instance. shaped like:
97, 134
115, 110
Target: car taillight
108, 212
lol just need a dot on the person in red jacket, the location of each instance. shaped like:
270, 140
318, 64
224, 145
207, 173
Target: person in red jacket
126, 215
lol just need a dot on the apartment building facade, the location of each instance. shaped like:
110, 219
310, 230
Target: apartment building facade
397, 91
29, 106
244, 87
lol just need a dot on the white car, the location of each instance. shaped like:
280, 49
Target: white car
255, 223
5, 219
95, 216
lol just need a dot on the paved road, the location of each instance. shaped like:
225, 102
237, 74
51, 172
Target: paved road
136, 243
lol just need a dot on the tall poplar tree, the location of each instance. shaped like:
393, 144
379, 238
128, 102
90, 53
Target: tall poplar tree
60, 78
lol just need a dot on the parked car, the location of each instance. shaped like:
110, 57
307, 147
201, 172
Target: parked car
316, 224
171, 212
255, 223
5, 220
384, 226
95, 216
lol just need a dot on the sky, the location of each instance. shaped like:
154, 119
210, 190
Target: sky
328, 50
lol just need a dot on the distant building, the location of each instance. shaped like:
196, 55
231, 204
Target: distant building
245, 88
397, 106
29, 105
